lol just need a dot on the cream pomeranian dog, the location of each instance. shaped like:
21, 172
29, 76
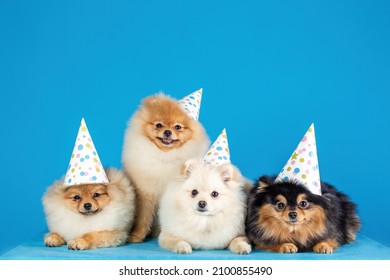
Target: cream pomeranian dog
160, 137
204, 209
91, 215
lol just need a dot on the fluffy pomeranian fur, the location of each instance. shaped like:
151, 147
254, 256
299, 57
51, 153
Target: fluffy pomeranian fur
286, 217
160, 137
90, 216
204, 209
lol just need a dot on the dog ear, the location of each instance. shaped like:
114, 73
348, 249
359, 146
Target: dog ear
262, 183
189, 166
228, 172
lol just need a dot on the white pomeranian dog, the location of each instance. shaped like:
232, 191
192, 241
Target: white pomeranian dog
205, 209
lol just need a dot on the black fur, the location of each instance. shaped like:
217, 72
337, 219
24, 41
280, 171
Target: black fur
341, 220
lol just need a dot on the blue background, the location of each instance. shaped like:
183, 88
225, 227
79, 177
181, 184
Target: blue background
268, 69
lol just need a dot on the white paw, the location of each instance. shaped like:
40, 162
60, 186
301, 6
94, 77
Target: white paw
241, 248
182, 247
78, 244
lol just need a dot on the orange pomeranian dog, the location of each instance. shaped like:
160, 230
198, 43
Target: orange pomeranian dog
91, 215
159, 139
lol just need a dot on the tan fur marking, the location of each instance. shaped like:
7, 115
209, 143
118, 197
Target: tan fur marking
145, 216
262, 185
312, 225
301, 197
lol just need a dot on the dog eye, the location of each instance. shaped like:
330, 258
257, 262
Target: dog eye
159, 125
280, 205
214, 194
96, 195
178, 127
76, 197
194, 193
303, 204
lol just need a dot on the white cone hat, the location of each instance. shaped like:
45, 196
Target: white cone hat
191, 104
84, 166
219, 152
302, 166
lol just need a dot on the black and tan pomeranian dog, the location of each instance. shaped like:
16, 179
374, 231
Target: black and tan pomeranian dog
286, 217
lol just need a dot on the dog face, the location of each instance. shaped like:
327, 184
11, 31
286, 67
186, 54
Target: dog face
293, 210
165, 123
208, 190
286, 217
204, 199
287, 210
86, 199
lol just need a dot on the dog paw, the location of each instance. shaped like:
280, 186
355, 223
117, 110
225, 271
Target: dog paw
323, 248
242, 248
288, 248
182, 247
134, 239
78, 244
54, 240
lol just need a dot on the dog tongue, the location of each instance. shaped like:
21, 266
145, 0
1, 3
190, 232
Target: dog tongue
167, 140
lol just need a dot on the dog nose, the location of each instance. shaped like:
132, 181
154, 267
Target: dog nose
202, 204
87, 206
293, 215
167, 133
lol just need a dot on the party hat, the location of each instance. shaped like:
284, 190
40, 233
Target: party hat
191, 104
84, 166
219, 151
303, 164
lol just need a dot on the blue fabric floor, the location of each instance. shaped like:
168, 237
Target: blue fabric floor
363, 248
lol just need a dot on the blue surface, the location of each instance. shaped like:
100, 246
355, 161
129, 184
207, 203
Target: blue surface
363, 249
268, 69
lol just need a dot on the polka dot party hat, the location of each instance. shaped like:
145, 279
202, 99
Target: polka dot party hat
191, 104
85, 166
219, 151
303, 164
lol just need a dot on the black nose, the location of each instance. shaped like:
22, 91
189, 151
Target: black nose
293, 215
167, 133
202, 204
87, 206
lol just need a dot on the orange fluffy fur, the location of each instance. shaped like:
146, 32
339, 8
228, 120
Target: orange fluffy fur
90, 216
152, 159
164, 111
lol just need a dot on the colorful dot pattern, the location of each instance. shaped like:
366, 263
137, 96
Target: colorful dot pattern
191, 104
84, 166
303, 164
219, 152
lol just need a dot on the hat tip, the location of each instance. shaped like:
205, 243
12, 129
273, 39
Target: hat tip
219, 152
